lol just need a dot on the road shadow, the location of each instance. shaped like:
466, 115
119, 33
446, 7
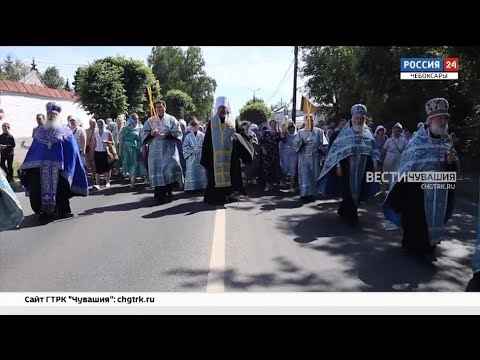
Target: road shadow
286, 274
185, 209
116, 189
309, 228
145, 202
374, 255
393, 270
17, 186
256, 192
34, 221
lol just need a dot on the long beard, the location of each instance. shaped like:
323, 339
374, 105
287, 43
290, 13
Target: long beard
357, 129
52, 124
438, 131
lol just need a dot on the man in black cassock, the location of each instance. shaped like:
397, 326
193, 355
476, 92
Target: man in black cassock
224, 146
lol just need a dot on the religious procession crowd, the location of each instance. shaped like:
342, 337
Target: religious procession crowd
222, 156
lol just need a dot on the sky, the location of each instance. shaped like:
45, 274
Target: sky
239, 70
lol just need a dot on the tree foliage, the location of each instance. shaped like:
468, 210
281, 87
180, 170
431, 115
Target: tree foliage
256, 100
338, 77
255, 112
51, 77
127, 79
179, 104
67, 86
136, 78
184, 70
13, 70
100, 89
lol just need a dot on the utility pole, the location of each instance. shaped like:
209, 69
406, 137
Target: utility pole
295, 65
254, 91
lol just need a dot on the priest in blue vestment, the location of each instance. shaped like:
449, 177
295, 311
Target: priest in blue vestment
423, 209
52, 171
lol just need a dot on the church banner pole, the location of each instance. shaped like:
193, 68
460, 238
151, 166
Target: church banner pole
294, 105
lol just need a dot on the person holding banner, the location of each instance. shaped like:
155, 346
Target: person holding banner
11, 212
224, 145
161, 132
350, 157
421, 211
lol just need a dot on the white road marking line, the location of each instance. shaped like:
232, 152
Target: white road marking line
216, 271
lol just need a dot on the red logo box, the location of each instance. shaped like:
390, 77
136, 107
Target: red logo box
450, 64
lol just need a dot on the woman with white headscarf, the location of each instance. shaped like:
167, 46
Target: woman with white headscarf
392, 152
380, 137
253, 170
102, 138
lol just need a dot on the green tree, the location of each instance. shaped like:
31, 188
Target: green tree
331, 73
100, 89
179, 104
256, 100
13, 70
257, 113
341, 76
51, 77
184, 70
130, 76
136, 78
67, 86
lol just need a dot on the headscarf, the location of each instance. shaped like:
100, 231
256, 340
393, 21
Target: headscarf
101, 129
380, 127
131, 122
329, 133
272, 131
289, 125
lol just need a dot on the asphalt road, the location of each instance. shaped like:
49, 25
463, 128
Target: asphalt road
120, 241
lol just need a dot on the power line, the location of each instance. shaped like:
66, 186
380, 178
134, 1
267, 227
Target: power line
281, 82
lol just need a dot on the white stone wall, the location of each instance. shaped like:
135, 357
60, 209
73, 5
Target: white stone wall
20, 111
